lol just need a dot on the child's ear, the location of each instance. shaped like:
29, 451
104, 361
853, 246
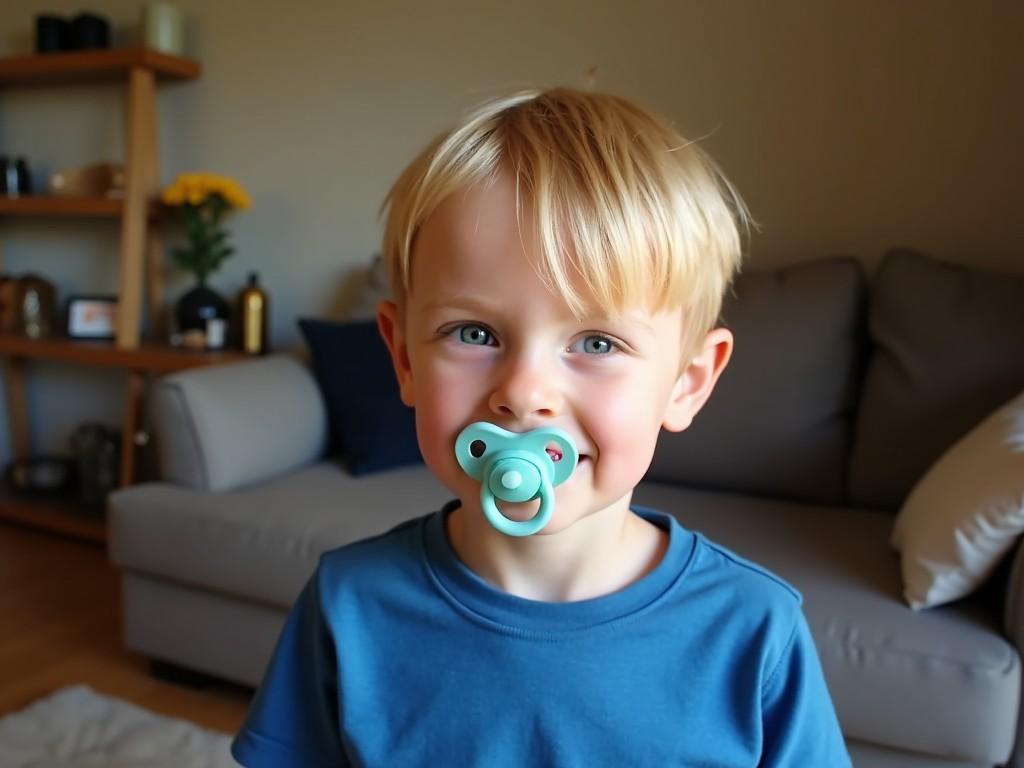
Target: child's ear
392, 331
696, 381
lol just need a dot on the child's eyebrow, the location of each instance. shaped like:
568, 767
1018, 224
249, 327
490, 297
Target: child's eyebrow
477, 306
457, 302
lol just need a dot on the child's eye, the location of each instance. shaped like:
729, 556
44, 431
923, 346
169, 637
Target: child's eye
470, 333
596, 345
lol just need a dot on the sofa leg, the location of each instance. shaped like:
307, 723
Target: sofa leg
172, 673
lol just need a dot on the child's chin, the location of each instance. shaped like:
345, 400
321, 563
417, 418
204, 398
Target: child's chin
518, 513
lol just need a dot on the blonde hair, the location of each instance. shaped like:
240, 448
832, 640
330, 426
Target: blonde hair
623, 205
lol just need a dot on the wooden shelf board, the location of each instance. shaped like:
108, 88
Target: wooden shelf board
149, 357
54, 516
93, 66
43, 205
60, 206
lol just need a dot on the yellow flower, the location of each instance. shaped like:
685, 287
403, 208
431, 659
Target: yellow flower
236, 196
173, 195
195, 187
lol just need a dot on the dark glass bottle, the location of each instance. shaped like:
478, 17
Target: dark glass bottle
23, 177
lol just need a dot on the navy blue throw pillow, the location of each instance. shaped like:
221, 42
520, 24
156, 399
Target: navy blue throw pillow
370, 425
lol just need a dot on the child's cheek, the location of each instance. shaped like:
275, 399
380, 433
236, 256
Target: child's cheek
441, 413
625, 433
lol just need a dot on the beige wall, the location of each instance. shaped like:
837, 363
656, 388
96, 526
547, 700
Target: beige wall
848, 127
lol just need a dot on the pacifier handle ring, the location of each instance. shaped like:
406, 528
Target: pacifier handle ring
516, 527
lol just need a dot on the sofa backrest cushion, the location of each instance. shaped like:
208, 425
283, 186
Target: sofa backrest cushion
949, 350
780, 419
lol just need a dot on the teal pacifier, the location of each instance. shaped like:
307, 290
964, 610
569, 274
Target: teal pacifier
515, 467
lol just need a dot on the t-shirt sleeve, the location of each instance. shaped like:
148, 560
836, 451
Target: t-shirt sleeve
800, 725
293, 719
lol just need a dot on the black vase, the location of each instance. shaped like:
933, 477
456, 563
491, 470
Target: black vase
199, 305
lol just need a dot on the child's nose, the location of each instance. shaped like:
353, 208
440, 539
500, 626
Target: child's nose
527, 389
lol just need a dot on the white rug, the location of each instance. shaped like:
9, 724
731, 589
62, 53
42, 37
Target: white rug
79, 728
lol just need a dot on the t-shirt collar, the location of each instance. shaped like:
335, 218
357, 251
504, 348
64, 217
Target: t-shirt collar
482, 601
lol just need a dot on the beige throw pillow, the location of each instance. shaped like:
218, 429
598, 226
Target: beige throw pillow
965, 513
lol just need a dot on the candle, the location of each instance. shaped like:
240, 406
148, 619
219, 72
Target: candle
162, 28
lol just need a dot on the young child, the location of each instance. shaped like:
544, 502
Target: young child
558, 259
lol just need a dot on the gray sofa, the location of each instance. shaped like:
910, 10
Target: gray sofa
839, 397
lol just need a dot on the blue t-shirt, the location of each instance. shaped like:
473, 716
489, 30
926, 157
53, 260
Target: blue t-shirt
396, 654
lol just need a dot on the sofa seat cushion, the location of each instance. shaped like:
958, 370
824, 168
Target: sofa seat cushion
943, 681
261, 542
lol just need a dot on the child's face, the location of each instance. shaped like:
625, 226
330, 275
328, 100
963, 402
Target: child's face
485, 340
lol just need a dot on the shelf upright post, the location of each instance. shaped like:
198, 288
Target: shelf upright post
139, 187
135, 394
17, 406
154, 241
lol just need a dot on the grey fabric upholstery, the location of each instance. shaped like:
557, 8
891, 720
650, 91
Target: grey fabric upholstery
261, 542
1013, 612
1013, 626
873, 756
950, 342
222, 427
799, 336
199, 628
942, 682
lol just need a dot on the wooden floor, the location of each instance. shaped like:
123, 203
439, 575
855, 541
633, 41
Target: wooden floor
60, 625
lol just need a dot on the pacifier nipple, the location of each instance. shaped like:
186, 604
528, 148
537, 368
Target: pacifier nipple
515, 468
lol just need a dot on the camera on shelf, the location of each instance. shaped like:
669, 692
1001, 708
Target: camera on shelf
86, 31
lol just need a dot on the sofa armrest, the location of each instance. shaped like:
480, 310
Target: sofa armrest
226, 426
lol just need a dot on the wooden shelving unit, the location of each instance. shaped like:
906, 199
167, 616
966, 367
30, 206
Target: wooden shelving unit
141, 257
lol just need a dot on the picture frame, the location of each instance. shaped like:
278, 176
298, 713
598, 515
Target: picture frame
92, 317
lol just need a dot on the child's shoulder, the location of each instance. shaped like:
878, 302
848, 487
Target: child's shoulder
716, 572
744, 601
380, 569
734, 566
376, 551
